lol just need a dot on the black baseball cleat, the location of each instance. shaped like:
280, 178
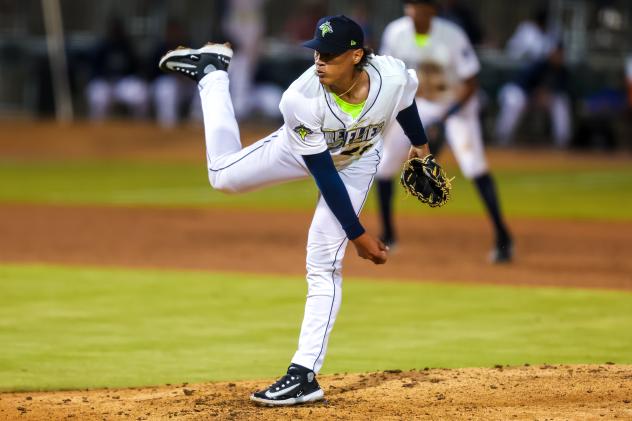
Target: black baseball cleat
298, 386
196, 64
503, 252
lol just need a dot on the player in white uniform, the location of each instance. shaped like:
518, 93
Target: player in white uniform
334, 116
447, 68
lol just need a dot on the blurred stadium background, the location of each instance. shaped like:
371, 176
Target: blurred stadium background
596, 36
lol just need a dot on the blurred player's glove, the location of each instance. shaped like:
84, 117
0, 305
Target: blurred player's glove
426, 180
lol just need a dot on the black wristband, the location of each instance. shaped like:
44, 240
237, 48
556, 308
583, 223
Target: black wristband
409, 119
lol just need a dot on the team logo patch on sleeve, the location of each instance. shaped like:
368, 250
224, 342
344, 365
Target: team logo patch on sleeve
302, 131
325, 29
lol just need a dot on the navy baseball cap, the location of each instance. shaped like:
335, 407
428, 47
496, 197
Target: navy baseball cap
335, 35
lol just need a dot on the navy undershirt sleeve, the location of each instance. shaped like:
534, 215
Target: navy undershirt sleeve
409, 119
334, 192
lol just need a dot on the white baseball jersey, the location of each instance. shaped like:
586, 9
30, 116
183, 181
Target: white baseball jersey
447, 58
314, 122
443, 63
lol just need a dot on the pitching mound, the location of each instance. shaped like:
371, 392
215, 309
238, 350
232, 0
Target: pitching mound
502, 393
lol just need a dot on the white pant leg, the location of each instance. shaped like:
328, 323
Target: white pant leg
326, 246
220, 127
396, 147
231, 168
463, 133
99, 94
134, 93
397, 144
561, 119
513, 102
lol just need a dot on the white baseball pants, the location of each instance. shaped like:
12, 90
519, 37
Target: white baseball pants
463, 134
269, 161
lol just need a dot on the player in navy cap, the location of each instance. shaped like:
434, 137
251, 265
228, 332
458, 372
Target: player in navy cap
334, 116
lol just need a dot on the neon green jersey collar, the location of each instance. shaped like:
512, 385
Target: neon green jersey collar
353, 110
422, 39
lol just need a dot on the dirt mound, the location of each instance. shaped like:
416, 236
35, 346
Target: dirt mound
561, 253
502, 393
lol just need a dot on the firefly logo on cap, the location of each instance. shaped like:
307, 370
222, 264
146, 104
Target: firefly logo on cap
325, 29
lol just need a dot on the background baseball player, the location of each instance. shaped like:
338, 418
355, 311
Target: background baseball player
334, 115
447, 103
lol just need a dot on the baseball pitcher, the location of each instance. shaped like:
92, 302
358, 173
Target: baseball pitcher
334, 117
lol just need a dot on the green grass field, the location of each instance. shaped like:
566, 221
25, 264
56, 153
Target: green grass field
589, 194
90, 327
63, 327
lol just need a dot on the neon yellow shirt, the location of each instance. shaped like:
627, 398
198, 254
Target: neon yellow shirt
422, 39
353, 110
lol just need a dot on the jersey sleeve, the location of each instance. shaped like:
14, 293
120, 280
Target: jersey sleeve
467, 64
410, 90
302, 123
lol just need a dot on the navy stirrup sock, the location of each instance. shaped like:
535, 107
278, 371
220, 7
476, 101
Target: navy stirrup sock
385, 197
487, 190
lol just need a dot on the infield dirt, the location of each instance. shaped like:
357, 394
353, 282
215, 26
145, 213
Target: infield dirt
502, 393
560, 253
